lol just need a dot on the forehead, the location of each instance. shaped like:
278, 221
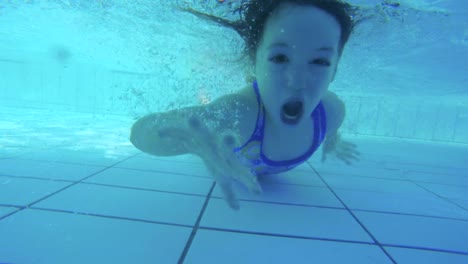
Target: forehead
302, 23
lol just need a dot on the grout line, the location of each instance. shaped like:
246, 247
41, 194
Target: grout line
286, 236
109, 217
244, 200
165, 172
143, 189
355, 218
10, 205
459, 205
114, 166
428, 249
65, 162
12, 213
428, 167
441, 197
196, 227
34, 178
409, 214
331, 240
286, 204
250, 232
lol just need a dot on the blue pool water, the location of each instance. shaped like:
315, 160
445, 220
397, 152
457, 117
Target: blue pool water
74, 75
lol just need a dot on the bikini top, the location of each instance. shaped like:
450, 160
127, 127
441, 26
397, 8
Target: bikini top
251, 154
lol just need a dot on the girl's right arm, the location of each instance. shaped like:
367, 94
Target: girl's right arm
166, 133
210, 132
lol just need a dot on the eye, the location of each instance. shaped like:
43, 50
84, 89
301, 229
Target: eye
280, 58
321, 62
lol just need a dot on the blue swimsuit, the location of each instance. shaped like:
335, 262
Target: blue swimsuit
251, 154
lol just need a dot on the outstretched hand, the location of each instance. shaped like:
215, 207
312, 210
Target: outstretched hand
343, 150
215, 149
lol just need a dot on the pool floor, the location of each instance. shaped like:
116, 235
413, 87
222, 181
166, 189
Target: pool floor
73, 190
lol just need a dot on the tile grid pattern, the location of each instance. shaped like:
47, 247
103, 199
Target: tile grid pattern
403, 179
196, 226
428, 168
209, 198
31, 205
354, 216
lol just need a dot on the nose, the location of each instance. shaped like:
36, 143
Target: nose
297, 79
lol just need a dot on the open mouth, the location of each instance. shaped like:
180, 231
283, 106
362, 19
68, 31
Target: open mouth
292, 111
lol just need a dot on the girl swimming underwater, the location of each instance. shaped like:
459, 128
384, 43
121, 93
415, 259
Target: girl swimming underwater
283, 117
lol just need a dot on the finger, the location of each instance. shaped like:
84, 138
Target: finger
350, 154
238, 171
346, 156
348, 147
251, 181
346, 161
245, 176
350, 151
348, 144
228, 192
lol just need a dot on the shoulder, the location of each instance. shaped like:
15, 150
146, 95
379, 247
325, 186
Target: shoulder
335, 110
234, 112
244, 97
238, 103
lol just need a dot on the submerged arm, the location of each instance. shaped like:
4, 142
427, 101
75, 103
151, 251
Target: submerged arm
210, 132
335, 109
164, 134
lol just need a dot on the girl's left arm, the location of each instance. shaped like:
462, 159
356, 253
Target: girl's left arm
335, 110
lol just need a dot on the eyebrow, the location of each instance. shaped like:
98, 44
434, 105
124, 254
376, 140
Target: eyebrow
283, 44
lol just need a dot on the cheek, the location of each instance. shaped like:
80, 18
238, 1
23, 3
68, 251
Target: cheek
318, 80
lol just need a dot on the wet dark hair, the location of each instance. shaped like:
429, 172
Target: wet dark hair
254, 14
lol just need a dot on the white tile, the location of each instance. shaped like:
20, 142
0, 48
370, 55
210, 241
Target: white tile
459, 178
145, 163
35, 236
121, 202
153, 180
287, 194
284, 220
46, 170
416, 231
431, 169
373, 184
448, 191
21, 192
406, 255
248, 248
360, 171
426, 205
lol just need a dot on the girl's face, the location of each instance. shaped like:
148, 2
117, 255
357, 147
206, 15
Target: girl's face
295, 62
